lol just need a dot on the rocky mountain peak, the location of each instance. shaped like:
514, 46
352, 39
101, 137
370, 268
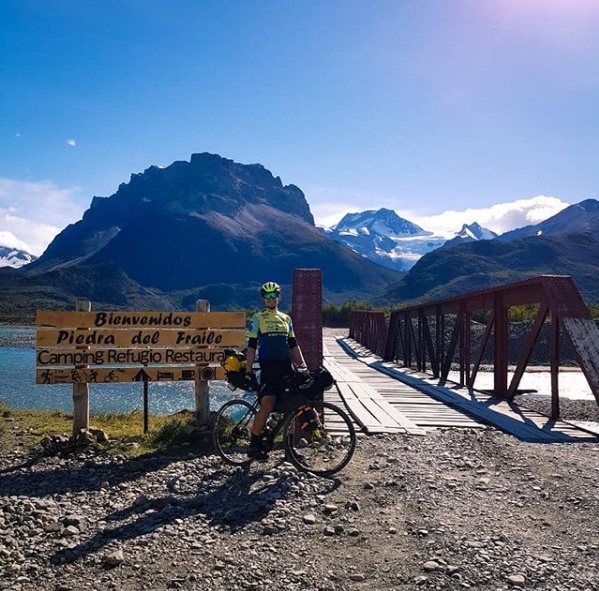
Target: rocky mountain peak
471, 233
208, 183
475, 231
588, 205
210, 223
382, 221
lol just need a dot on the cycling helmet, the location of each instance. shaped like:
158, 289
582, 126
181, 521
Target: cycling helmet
270, 287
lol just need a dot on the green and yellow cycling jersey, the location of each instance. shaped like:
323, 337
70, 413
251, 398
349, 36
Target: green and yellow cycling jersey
272, 330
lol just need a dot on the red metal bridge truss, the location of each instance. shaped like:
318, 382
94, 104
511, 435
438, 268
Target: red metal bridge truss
436, 335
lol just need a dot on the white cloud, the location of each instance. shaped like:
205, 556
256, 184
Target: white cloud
10, 240
71, 143
32, 213
329, 205
500, 217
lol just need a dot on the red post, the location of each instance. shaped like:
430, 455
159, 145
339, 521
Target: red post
306, 311
500, 362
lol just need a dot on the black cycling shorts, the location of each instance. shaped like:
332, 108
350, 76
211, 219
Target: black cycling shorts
272, 372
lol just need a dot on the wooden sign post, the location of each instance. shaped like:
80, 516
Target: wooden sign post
202, 392
84, 347
81, 391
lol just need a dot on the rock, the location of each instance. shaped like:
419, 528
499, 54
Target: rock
115, 558
431, 565
516, 580
99, 435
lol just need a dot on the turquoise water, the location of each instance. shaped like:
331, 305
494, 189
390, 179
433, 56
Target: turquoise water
19, 390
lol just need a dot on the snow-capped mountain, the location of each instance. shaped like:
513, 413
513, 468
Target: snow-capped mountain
13, 257
384, 222
471, 233
385, 238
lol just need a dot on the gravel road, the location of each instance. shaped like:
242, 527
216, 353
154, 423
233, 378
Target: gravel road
456, 509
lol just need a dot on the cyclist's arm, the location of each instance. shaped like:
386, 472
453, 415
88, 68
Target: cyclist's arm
252, 336
250, 354
296, 353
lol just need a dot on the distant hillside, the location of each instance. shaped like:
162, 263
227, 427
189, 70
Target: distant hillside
451, 271
580, 217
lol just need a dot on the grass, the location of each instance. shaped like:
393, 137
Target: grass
23, 429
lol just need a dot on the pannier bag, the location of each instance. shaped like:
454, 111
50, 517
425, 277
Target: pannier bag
307, 417
234, 363
310, 385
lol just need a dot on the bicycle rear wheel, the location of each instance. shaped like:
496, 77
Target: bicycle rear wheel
232, 431
327, 449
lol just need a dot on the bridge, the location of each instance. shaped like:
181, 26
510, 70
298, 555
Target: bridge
393, 373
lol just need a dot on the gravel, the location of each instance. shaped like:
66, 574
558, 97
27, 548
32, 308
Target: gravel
456, 509
570, 410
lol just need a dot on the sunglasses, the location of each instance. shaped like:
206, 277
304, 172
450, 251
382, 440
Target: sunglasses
270, 296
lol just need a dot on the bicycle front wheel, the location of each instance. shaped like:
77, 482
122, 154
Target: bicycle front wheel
325, 450
232, 431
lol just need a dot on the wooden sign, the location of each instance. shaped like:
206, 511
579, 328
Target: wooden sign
93, 356
110, 347
144, 337
113, 375
143, 319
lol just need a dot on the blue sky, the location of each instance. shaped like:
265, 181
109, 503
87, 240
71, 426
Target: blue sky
447, 111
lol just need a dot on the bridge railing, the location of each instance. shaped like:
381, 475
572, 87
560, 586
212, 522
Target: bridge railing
433, 336
369, 329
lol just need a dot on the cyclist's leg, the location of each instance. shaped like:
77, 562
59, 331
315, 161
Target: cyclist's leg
256, 448
272, 372
267, 405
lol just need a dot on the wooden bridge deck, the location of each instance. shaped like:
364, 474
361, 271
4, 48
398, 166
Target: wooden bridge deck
383, 397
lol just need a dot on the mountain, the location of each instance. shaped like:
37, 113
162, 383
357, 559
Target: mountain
449, 272
580, 217
209, 228
471, 233
15, 258
384, 237
384, 221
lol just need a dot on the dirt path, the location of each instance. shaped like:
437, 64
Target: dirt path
456, 509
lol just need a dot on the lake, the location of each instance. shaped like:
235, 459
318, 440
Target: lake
19, 390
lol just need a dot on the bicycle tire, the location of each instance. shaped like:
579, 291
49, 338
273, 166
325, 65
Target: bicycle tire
325, 450
232, 431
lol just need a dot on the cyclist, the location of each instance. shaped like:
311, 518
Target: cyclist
271, 334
